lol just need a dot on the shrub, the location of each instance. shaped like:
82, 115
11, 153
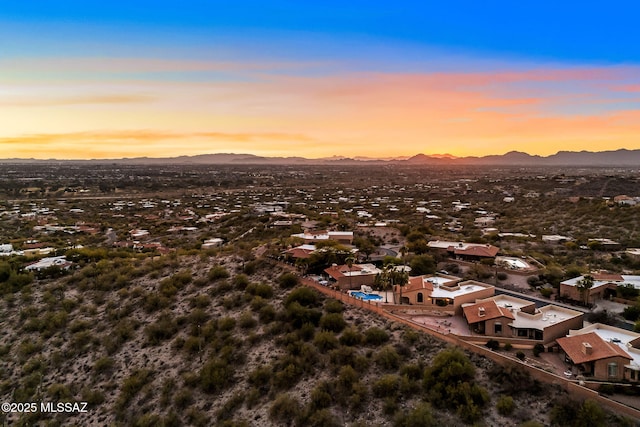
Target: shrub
285, 409
267, 314
493, 345
321, 396
246, 321
387, 358
183, 398
226, 323
103, 365
520, 355
215, 375
133, 384
260, 289
505, 405
288, 281
508, 346
351, 337
333, 306
260, 377
241, 281
449, 382
421, 416
502, 275
306, 297
161, 330
537, 349
217, 273
332, 322
375, 336
387, 386
325, 341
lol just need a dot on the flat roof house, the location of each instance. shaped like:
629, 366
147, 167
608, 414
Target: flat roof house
343, 237
604, 285
510, 317
442, 290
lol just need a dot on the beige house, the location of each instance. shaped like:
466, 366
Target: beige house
604, 286
510, 317
441, 290
603, 352
345, 277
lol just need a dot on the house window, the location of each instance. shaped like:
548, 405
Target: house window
420, 297
523, 333
612, 368
497, 328
632, 374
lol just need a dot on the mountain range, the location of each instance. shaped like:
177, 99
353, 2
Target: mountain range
622, 157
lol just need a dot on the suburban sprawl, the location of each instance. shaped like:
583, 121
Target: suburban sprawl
320, 295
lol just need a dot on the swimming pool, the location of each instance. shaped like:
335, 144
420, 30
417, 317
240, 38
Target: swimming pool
366, 297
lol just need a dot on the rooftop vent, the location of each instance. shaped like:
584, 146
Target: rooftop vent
481, 311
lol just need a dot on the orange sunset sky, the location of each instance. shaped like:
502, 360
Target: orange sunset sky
91, 84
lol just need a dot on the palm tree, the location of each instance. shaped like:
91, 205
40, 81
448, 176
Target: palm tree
584, 285
401, 279
349, 261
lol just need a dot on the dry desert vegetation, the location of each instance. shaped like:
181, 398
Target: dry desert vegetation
220, 340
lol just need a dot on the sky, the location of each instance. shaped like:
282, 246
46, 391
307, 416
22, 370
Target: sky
87, 79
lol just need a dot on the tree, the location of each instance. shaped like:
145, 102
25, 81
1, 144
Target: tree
422, 264
349, 261
584, 285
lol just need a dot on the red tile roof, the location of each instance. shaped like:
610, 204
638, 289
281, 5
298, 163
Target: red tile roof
607, 276
481, 250
337, 271
474, 314
417, 283
600, 349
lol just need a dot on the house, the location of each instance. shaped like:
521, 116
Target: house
484, 221
342, 237
625, 200
44, 263
212, 243
345, 277
6, 249
633, 253
604, 286
465, 251
555, 238
475, 252
300, 252
443, 291
510, 317
603, 352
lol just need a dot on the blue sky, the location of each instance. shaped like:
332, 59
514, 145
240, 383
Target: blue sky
562, 65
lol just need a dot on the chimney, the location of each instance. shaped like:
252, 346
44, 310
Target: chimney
481, 311
586, 348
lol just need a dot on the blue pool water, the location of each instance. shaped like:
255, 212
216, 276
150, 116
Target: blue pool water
366, 297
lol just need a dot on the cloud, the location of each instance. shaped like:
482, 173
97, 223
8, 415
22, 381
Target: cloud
76, 100
145, 137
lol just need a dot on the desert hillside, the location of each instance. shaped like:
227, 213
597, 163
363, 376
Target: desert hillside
218, 340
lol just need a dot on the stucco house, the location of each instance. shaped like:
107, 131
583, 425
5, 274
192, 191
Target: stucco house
510, 317
345, 277
604, 286
464, 251
442, 290
603, 352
